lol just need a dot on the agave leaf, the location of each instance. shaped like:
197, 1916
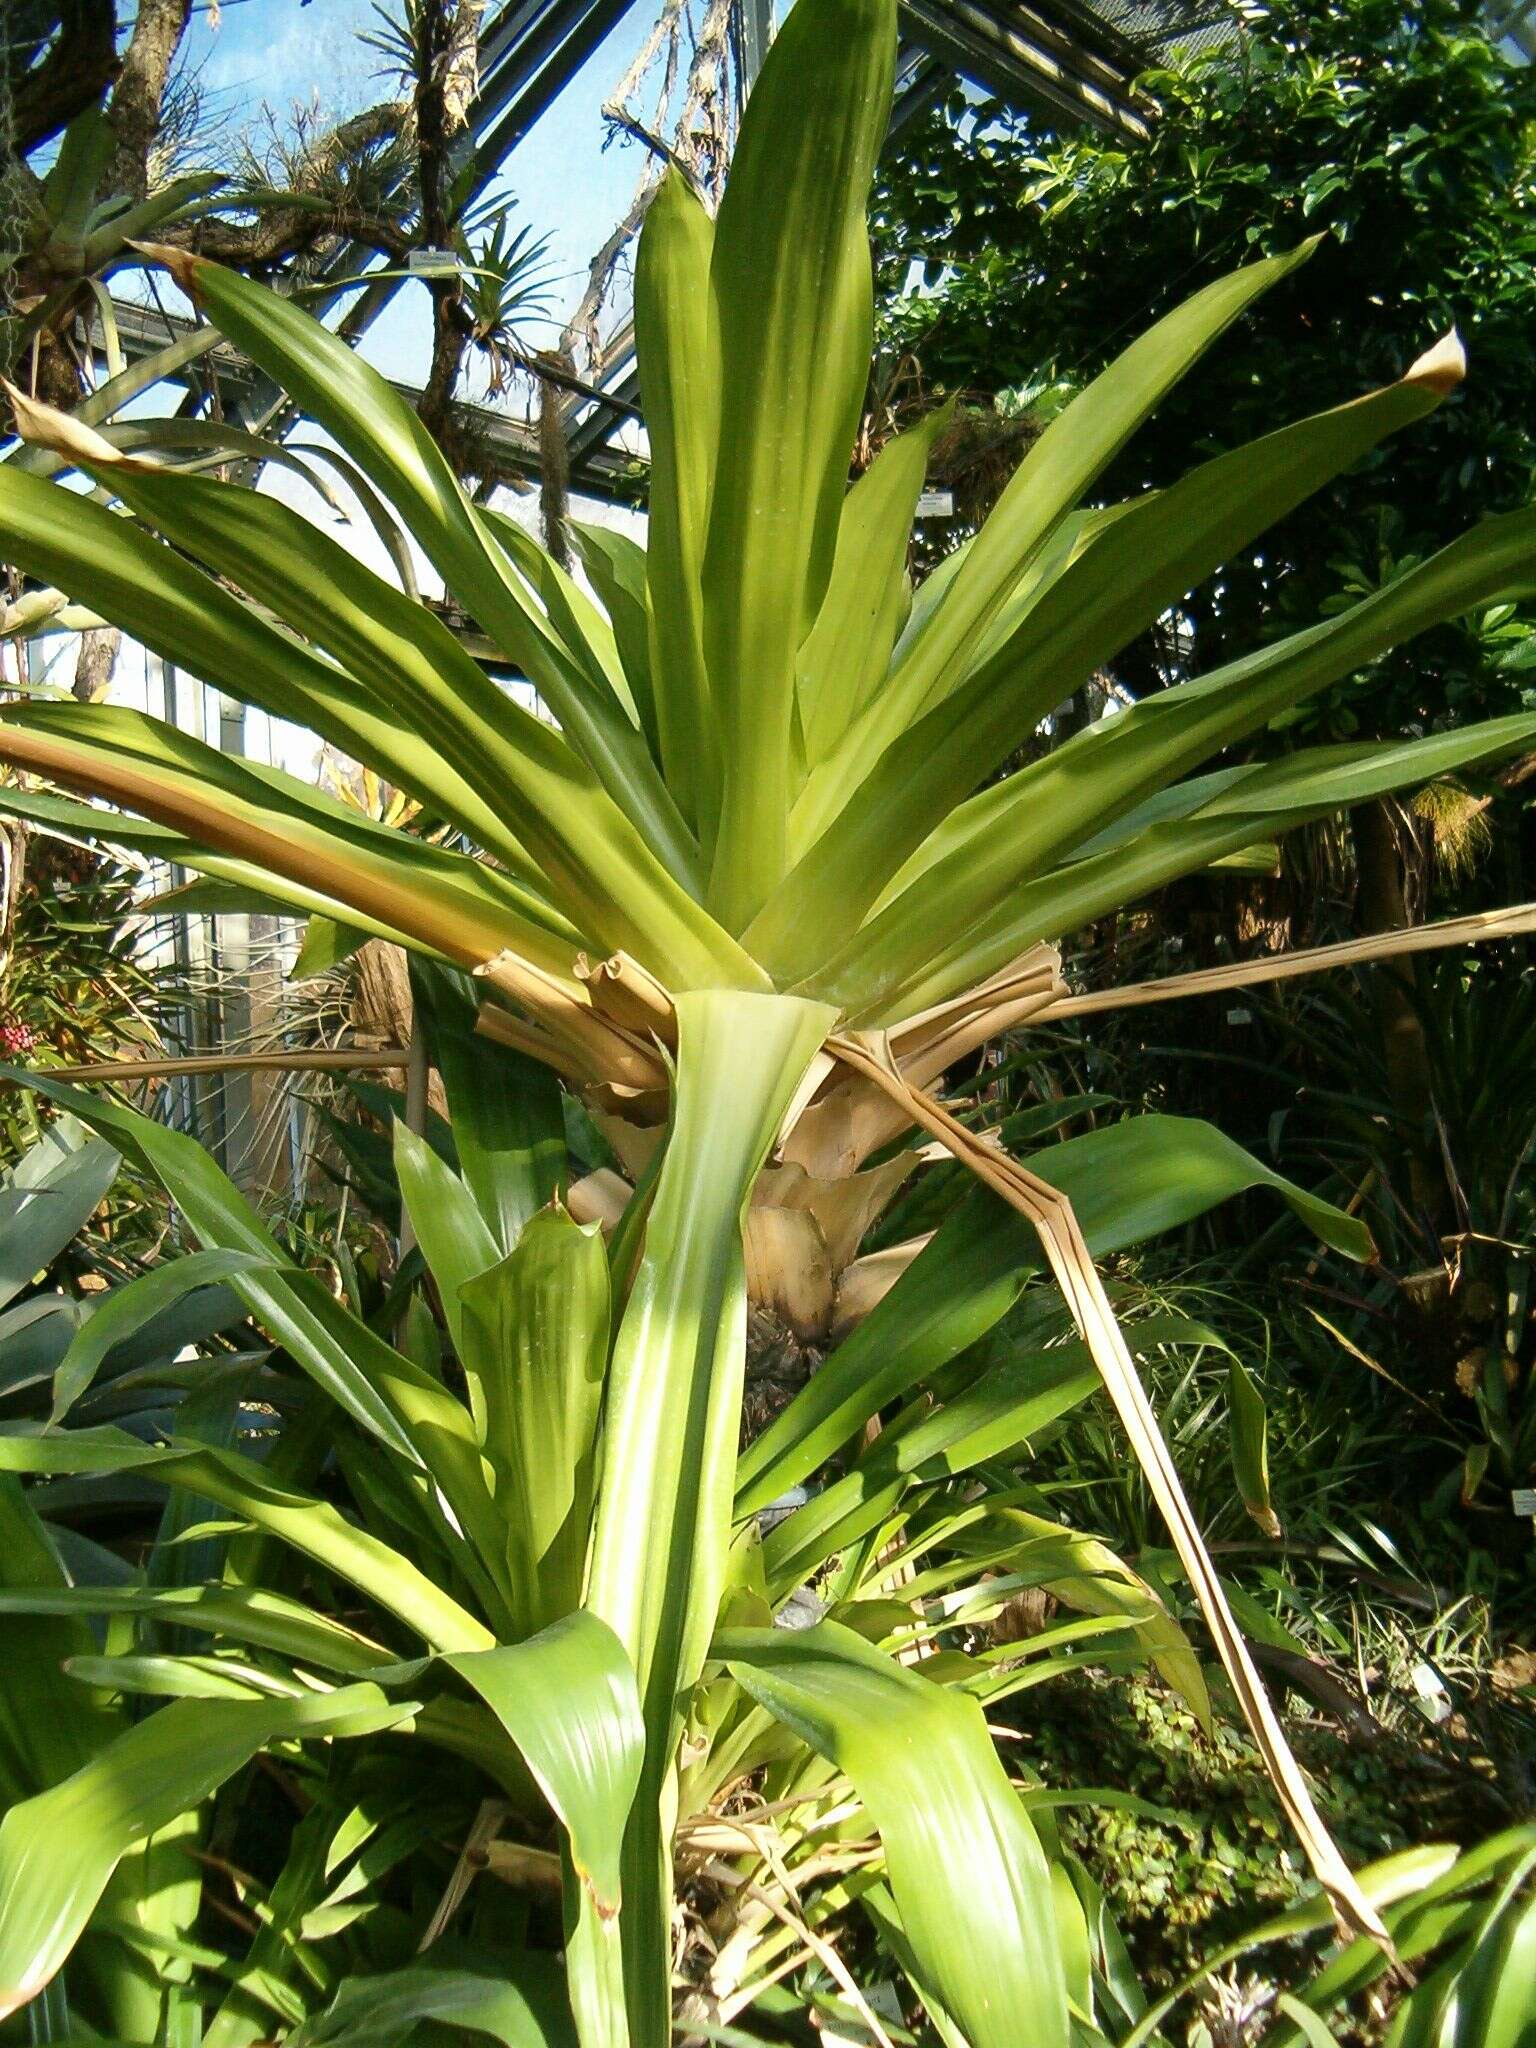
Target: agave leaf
792, 283
970, 1879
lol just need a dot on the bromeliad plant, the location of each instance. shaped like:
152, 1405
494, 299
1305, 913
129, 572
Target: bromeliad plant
770, 804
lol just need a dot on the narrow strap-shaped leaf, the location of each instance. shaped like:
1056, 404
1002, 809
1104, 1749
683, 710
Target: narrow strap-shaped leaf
379, 430
899, 972
846, 653
516, 2000
54, 1192
452, 913
455, 1239
793, 287
534, 1347
59, 1849
585, 633
1044, 810
243, 1614
310, 1525
616, 563
1074, 449
678, 344
966, 1867
567, 1698
49, 1726
387, 1394
597, 863
1118, 573
991, 1418
508, 1124
174, 609
123, 1311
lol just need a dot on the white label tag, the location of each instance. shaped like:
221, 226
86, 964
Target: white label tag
1523, 1500
433, 263
1239, 1016
936, 505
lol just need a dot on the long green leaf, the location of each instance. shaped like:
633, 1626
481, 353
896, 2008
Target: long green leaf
1116, 574
312, 1526
57, 1186
567, 1698
517, 2001
600, 866
244, 1614
455, 1240
792, 284
59, 1849
966, 1867
124, 1311
534, 1347
989, 1420
192, 620
1046, 809
898, 967
334, 386
508, 1126
673, 1406
1074, 449
847, 651
678, 343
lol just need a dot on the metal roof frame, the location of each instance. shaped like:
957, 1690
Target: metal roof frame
1062, 58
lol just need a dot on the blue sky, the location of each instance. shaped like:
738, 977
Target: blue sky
279, 52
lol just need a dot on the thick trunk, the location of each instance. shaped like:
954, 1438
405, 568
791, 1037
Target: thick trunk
1383, 907
140, 92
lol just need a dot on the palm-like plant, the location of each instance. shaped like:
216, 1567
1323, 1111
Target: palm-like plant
767, 804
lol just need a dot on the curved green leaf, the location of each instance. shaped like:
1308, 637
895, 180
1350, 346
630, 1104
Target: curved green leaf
58, 1850
966, 1867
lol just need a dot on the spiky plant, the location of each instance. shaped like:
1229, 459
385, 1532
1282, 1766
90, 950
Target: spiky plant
766, 803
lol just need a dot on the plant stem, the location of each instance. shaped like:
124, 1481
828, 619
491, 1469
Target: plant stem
674, 1403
